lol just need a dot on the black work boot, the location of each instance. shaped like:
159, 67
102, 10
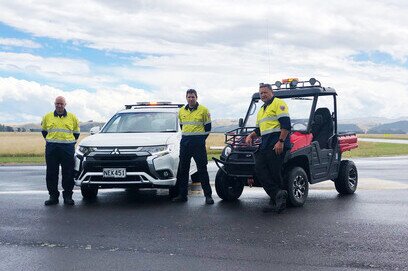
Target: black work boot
280, 199
51, 201
180, 198
209, 200
68, 198
271, 207
69, 201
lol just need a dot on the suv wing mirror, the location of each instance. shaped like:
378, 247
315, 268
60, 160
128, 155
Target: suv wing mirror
94, 130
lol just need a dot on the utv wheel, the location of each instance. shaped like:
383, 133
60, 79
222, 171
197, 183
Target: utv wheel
297, 185
228, 188
346, 182
89, 192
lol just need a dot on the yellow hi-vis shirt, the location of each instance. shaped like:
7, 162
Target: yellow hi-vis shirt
267, 119
60, 129
194, 121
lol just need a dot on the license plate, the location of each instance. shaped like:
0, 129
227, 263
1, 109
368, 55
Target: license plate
114, 172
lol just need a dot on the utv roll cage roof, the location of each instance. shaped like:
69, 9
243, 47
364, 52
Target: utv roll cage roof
295, 89
292, 88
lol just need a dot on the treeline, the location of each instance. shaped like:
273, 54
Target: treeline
4, 128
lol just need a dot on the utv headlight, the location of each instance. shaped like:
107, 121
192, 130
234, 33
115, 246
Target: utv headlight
227, 151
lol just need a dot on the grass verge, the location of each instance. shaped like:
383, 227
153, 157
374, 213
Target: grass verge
384, 136
376, 149
22, 159
365, 149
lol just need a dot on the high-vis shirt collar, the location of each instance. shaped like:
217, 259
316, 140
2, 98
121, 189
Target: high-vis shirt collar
191, 108
265, 105
58, 115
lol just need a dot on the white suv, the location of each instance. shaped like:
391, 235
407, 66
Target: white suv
138, 147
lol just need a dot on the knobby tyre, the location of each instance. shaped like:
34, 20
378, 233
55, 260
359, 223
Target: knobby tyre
228, 188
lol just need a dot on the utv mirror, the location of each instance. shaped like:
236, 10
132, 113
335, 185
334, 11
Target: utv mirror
94, 130
241, 123
318, 120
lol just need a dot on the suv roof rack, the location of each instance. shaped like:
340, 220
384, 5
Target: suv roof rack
152, 104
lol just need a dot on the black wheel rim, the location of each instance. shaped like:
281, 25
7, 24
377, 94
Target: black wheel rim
352, 178
299, 187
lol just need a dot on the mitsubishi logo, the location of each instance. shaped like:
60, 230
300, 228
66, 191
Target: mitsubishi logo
115, 151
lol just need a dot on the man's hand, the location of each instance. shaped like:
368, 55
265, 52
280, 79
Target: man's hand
278, 147
248, 140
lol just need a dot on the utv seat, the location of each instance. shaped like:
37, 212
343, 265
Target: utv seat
322, 127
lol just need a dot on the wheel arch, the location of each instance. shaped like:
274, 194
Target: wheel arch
298, 161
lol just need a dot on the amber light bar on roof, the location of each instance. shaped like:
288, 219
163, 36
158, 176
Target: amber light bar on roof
143, 104
291, 83
153, 103
288, 80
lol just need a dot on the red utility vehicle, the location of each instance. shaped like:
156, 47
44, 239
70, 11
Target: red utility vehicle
317, 146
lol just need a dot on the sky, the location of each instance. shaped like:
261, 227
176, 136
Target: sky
103, 54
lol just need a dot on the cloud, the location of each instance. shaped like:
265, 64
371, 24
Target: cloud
221, 48
30, 100
168, 27
19, 43
54, 69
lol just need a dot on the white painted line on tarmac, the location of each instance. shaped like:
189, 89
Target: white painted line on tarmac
39, 192
24, 192
364, 184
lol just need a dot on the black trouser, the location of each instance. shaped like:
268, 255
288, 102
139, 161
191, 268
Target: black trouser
60, 154
193, 148
268, 167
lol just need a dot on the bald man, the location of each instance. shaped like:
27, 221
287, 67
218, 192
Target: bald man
60, 130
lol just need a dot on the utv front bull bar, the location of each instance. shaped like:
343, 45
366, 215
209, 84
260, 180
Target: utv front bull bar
237, 167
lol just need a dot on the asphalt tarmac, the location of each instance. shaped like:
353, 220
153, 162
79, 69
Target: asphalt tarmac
144, 231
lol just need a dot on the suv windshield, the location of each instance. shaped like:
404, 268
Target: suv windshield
142, 122
299, 110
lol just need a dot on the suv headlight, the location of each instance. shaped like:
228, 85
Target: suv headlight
85, 150
158, 150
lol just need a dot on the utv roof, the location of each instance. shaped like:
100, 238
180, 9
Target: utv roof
292, 88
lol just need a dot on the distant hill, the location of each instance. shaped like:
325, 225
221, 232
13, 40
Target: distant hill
349, 128
399, 127
36, 127
223, 125
370, 122
223, 129
86, 126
